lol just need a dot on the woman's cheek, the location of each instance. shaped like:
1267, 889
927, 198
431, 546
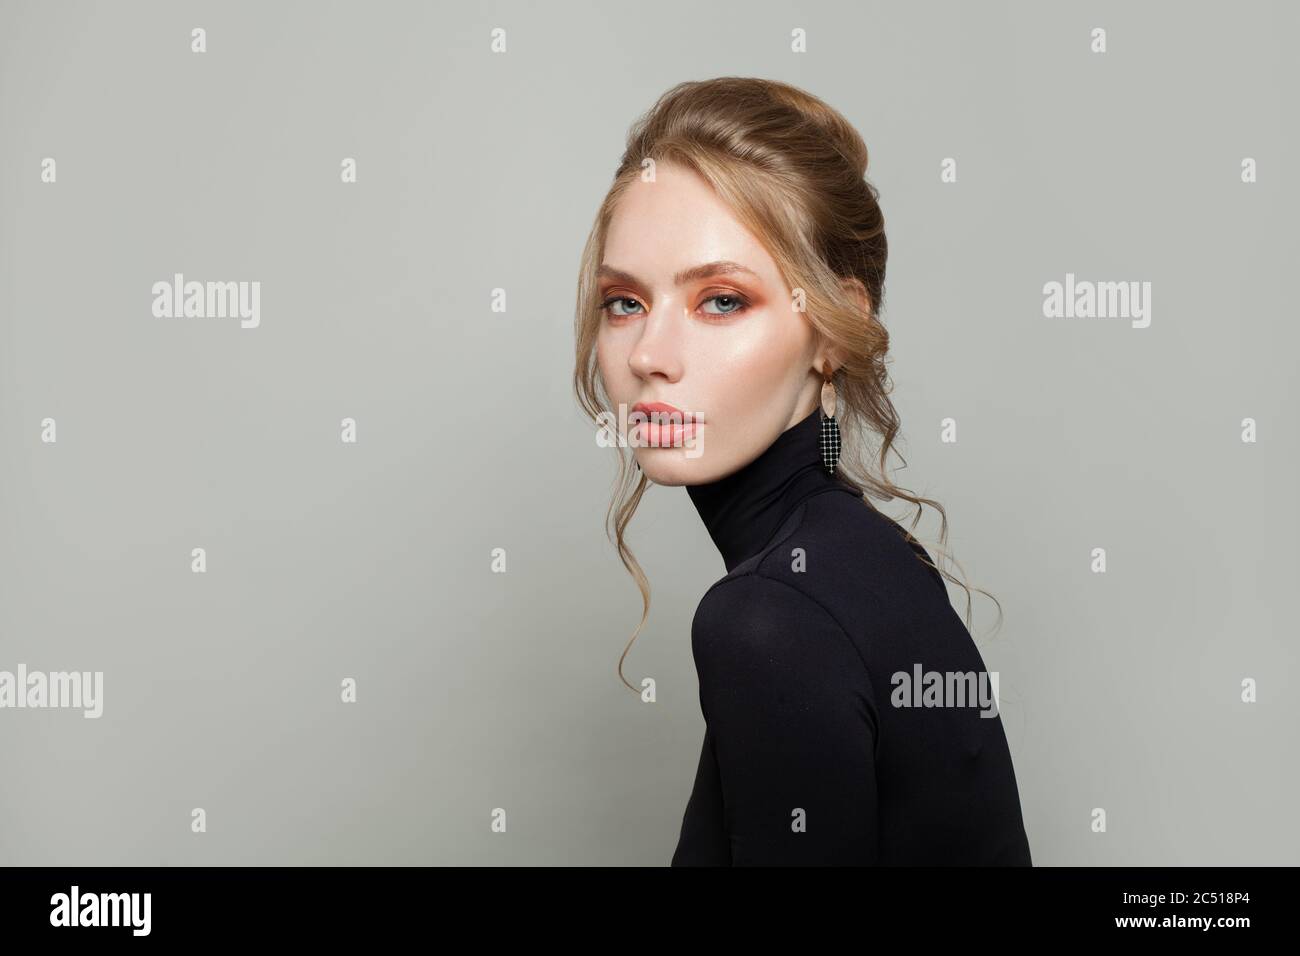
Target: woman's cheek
757, 355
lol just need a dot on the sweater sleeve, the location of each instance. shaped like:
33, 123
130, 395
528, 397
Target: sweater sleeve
789, 710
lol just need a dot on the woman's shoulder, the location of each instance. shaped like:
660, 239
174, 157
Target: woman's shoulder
844, 531
754, 629
838, 554
839, 594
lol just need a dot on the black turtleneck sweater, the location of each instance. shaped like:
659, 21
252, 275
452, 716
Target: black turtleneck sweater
808, 756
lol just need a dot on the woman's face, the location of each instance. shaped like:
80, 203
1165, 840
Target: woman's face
722, 342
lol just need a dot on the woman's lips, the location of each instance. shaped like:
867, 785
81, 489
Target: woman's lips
672, 435
664, 425
662, 408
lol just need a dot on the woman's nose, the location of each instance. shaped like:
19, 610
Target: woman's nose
658, 350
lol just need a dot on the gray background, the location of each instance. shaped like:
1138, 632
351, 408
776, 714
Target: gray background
478, 171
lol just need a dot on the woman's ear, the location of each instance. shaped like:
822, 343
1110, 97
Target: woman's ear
854, 287
826, 352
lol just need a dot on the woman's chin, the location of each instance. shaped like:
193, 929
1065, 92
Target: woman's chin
672, 467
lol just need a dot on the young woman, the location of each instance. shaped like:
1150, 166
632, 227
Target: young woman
730, 293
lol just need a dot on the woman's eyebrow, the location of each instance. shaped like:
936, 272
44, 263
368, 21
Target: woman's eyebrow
705, 271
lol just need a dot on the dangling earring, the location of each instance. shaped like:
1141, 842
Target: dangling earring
830, 427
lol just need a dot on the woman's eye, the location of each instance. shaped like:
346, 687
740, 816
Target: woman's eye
727, 304
730, 304
608, 304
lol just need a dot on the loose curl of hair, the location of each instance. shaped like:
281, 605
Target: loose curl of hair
793, 171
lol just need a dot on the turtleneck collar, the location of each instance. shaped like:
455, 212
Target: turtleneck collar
745, 508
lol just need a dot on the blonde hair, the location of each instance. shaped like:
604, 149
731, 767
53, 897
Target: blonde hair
792, 170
